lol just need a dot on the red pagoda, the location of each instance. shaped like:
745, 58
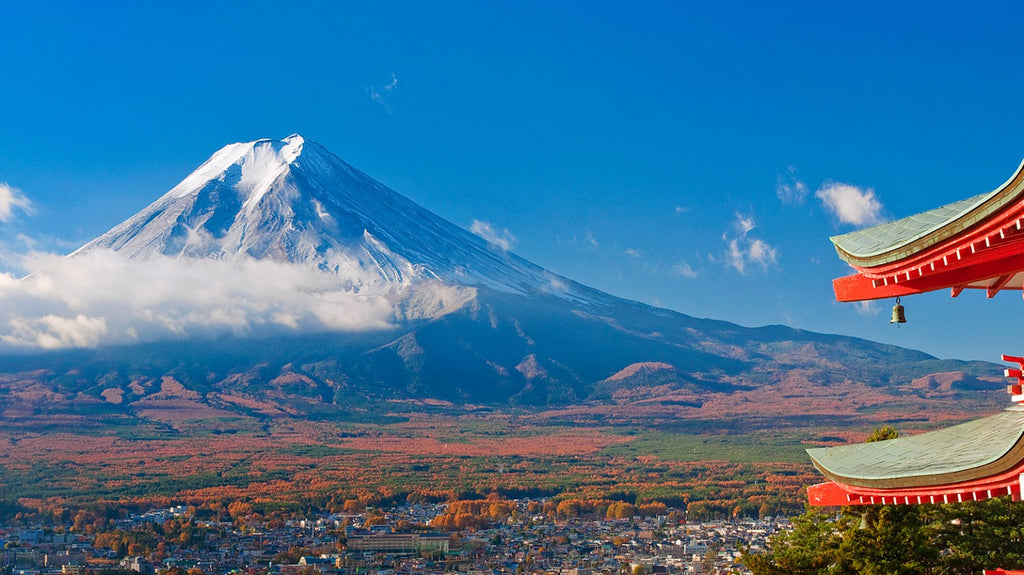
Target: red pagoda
976, 243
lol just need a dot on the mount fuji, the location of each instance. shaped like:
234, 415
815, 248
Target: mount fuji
294, 201
471, 322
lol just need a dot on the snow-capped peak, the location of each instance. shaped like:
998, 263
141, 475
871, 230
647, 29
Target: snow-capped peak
292, 200
261, 161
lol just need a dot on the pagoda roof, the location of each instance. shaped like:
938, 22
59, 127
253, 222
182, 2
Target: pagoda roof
966, 452
973, 461
897, 240
976, 243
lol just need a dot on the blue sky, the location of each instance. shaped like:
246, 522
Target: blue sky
674, 153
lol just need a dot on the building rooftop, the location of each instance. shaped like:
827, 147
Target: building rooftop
972, 450
893, 241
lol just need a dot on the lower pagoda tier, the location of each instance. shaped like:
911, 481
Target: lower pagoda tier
972, 461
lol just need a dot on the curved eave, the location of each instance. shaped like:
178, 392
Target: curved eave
967, 452
895, 241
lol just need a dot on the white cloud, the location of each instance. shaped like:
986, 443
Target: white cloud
789, 188
52, 331
734, 256
869, 308
759, 252
381, 95
591, 240
503, 239
11, 198
745, 224
741, 250
557, 284
683, 270
633, 253
851, 204
99, 298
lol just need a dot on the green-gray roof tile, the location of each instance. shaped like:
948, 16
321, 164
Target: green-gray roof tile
893, 241
886, 237
938, 457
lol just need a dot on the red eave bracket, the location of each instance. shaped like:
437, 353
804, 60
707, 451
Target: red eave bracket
830, 494
998, 285
859, 288
998, 265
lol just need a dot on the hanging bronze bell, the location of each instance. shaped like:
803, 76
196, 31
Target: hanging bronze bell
898, 315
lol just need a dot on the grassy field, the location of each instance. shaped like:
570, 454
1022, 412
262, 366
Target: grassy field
408, 455
750, 448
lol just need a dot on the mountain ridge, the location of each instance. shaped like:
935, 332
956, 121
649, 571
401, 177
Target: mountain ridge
512, 334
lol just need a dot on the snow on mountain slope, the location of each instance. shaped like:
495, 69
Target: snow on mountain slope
294, 201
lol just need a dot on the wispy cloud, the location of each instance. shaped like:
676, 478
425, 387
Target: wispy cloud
851, 204
556, 284
745, 224
870, 308
10, 199
682, 269
789, 188
743, 251
99, 298
591, 240
503, 239
633, 253
381, 94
